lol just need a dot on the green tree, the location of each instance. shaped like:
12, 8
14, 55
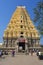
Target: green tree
38, 18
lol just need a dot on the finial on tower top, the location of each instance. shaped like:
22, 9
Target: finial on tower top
20, 6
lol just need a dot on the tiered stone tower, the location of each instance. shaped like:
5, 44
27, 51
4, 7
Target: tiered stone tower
21, 28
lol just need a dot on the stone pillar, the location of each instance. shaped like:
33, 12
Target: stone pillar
35, 42
26, 47
38, 42
29, 42
9, 43
13, 43
16, 46
4, 43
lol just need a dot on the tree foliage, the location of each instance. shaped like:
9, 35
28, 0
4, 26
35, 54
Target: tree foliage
38, 18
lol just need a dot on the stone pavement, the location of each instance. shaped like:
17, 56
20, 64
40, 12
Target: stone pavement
20, 60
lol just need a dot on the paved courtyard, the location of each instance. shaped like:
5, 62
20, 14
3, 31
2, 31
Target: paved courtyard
20, 60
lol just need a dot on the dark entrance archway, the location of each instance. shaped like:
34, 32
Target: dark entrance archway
22, 44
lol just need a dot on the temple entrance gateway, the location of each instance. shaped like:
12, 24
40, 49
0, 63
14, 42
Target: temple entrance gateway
21, 32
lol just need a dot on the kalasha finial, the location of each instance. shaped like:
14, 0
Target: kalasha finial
20, 6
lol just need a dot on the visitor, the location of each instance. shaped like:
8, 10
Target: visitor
13, 53
0, 53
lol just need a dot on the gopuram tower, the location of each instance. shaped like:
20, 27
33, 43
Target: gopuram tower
21, 31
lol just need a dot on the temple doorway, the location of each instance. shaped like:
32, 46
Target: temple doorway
22, 45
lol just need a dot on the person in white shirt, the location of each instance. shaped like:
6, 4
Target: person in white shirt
39, 53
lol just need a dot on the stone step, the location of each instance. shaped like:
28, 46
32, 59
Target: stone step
20, 53
24, 53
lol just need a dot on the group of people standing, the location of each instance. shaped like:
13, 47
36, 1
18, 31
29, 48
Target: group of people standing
13, 52
5, 52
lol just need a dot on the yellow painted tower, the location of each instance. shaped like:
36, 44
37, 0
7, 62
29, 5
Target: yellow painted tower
21, 29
